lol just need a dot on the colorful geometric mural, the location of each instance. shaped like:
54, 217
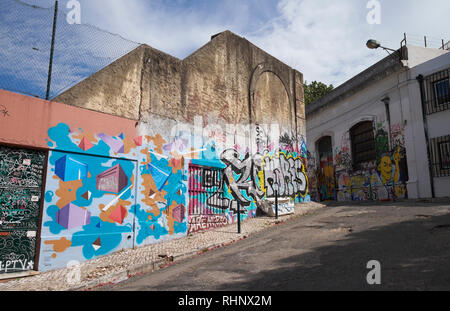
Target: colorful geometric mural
105, 193
89, 198
114, 183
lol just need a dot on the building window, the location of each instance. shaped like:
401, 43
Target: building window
325, 148
440, 153
442, 92
363, 143
437, 91
444, 154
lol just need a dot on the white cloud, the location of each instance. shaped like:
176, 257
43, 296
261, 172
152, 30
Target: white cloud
326, 39
317, 37
172, 29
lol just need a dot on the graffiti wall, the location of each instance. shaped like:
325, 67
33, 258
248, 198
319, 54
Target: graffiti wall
21, 179
108, 192
382, 179
113, 183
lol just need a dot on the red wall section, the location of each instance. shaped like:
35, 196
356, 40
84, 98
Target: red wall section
25, 120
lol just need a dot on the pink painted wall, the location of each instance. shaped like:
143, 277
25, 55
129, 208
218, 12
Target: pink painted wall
25, 120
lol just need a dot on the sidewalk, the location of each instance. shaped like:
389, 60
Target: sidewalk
127, 263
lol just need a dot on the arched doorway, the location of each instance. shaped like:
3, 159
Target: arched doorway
325, 171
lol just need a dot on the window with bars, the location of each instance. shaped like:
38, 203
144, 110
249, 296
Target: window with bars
363, 143
442, 92
440, 156
437, 91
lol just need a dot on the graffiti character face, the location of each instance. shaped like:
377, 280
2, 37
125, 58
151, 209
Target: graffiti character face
385, 168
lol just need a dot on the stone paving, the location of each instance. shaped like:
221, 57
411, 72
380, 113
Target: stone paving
124, 264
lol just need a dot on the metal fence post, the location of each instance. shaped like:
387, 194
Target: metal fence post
239, 216
52, 49
276, 204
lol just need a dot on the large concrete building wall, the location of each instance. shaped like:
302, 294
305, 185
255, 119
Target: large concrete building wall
438, 124
115, 89
388, 95
228, 80
341, 181
153, 148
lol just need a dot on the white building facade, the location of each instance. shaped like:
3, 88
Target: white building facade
384, 134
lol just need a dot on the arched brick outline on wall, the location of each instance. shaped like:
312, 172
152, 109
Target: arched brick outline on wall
284, 77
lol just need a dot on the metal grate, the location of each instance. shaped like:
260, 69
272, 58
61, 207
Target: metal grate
363, 143
437, 92
205, 183
440, 156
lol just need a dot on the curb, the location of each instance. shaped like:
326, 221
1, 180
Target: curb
112, 279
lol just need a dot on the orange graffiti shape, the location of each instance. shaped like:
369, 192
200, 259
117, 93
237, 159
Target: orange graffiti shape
176, 163
60, 245
158, 141
88, 135
170, 219
128, 144
151, 194
67, 191
106, 215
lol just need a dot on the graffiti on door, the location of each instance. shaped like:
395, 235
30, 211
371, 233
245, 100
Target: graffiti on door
21, 173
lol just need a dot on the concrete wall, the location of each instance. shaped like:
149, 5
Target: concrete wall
115, 89
230, 93
119, 177
345, 183
401, 168
220, 80
438, 123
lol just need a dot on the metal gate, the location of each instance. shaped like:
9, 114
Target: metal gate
205, 191
21, 180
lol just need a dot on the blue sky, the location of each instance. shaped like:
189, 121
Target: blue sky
324, 39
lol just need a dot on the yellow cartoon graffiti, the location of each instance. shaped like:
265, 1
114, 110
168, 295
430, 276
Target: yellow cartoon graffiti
385, 167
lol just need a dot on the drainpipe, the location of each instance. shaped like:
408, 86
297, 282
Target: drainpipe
386, 102
425, 126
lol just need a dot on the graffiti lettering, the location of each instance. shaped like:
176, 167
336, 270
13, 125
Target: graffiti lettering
4, 111
204, 222
287, 142
247, 180
285, 172
14, 263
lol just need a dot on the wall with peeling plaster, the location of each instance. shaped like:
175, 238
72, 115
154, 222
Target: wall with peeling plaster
120, 150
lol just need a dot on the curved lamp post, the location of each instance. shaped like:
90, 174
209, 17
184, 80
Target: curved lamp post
374, 44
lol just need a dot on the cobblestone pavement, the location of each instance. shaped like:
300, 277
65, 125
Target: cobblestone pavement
124, 264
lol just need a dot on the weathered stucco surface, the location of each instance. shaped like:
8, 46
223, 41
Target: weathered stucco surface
229, 80
152, 148
114, 90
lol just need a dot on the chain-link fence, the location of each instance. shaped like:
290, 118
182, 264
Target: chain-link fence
25, 42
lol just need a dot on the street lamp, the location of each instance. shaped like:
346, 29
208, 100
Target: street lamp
374, 44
